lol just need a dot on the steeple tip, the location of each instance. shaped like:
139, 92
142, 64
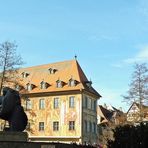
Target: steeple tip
75, 57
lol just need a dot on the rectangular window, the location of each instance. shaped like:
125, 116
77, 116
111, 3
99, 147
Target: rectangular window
88, 126
28, 105
43, 85
29, 87
72, 82
92, 104
94, 127
85, 126
56, 102
59, 84
17, 87
41, 126
56, 126
86, 103
95, 105
41, 104
71, 101
89, 103
71, 125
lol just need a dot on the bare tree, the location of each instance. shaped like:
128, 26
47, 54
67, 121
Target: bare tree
9, 61
138, 91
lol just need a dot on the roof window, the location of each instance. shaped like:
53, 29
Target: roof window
25, 74
44, 85
88, 83
52, 70
72, 82
60, 83
18, 87
29, 86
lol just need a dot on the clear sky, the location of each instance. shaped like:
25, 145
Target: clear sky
108, 37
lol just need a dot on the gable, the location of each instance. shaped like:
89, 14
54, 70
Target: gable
134, 109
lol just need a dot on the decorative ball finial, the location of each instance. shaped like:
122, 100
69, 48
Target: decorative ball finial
75, 57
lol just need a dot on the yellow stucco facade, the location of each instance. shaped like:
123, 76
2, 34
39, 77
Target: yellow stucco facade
62, 114
49, 114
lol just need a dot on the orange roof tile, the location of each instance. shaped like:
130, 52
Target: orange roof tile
64, 72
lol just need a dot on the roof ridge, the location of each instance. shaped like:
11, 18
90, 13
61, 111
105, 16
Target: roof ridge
41, 65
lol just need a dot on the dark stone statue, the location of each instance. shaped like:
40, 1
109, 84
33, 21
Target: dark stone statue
12, 111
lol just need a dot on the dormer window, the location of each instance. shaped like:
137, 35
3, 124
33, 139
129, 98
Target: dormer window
25, 75
17, 87
89, 83
43, 85
72, 82
59, 83
29, 86
52, 70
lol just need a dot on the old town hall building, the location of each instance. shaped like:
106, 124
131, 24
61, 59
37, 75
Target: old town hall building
60, 102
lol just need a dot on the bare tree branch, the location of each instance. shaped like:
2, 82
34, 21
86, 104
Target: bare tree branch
138, 88
9, 60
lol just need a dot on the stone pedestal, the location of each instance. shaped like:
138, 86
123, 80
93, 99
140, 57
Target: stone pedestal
13, 136
20, 140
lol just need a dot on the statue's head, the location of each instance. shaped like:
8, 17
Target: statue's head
8, 101
5, 90
8, 89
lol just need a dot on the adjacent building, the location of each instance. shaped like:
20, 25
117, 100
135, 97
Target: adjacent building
108, 118
137, 113
60, 102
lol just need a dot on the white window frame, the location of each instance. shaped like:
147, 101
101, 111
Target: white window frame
71, 125
42, 104
72, 82
43, 85
72, 101
56, 102
29, 87
88, 126
41, 126
59, 84
89, 103
56, 126
28, 104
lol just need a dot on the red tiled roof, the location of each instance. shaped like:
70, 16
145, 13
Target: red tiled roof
104, 113
64, 72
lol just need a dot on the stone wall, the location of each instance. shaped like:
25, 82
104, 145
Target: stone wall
14, 144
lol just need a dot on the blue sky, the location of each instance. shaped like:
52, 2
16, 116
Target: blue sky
107, 36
